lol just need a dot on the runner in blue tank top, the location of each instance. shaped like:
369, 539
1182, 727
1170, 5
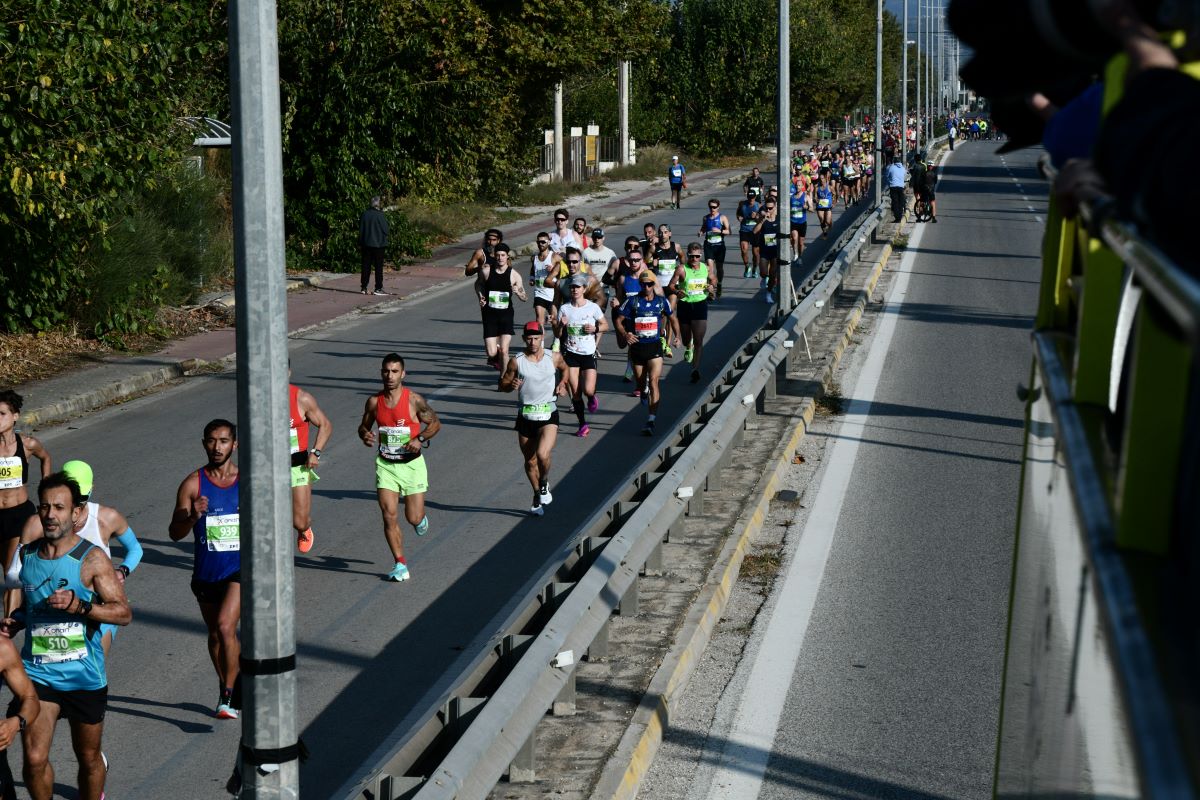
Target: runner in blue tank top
206, 506
69, 589
645, 318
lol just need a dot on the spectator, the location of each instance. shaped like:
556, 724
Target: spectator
677, 177
373, 239
894, 176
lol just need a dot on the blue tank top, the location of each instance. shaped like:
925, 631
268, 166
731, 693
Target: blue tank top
799, 213
629, 283
824, 197
646, 316
748, 212
218, 545
61, 650
712, 230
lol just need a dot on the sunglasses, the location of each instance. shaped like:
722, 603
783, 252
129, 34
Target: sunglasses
543, 241
572, 260
635, 261
713, 208
694, 255
560, 219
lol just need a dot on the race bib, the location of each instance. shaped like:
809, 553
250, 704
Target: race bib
294, 440
823, 202
393, 443
667, 265
498, 300
769, 239
537, 412
676, 172
716, 238
646, 327
57, 642
222, 533
696, 287
10, 473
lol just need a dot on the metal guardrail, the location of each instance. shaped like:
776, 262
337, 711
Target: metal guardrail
461, 742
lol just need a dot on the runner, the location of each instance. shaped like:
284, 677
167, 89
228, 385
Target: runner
16, 509
563, 237
485, 255
399, 464
543, 271
824, 202
767, 231
641, 325
753, 185
649, 240
97, 524
207, 506
800, 205
580, 228
304, 411
26, 704
697, 287
625, 284
570, 267
677, 178
930, 181
494, 288
849, 180
580, 322
665, 259
713, 229
599, 261
70, 590
747, 214
534, 372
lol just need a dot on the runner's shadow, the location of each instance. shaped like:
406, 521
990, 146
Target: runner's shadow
334, 564
345, 494
504, 512
186, 727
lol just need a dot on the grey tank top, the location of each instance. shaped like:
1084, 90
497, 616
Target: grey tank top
537, 380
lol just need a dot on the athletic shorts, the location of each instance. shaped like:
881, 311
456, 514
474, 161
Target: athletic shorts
12, 520
303, 476
929, 196
716, 252
747, 236
850, 181
212, 593
404, 479
497, 323
801, 226
577, 360
692, 312
540, 302
642, 353
77, 705
529, 428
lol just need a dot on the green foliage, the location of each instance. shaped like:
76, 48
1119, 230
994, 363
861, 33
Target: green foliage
89, 94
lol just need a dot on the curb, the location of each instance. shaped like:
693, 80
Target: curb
114, 392
627, 768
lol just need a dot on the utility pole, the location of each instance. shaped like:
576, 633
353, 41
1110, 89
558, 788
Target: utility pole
269, 748
917, 81
784, 141
623, 111
878, 184
556, 170
903, 101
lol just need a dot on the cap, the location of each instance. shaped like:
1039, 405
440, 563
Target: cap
674, 158
578, 279
597, 233
533, 328
646, 279
81, 473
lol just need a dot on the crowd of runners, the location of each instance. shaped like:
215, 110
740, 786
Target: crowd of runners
644, 304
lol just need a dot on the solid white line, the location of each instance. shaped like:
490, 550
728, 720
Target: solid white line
445, 390
1036, 217
739, 774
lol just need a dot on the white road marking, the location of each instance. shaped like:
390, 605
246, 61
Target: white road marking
445, 390
743, 762
1036, 217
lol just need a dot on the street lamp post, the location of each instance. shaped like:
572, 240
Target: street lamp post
784, 142
878, 184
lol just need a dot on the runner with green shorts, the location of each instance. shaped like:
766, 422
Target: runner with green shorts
304, 411
399, 466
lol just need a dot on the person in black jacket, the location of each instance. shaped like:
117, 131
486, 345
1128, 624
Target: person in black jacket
373, 239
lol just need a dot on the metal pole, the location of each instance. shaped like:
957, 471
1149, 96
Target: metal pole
917, 81
940, 65
268, 598
556, 171
903, 95
928, 73
623, 110
878, 182
784, 289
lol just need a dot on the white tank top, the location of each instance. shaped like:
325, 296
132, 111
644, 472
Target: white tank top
538, 277
91, 529
536, 393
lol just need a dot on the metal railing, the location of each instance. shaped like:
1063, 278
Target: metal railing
462, 743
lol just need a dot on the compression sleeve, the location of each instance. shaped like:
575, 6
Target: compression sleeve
12, 577
133, 549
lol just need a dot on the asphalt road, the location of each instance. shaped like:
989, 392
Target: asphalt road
874, 670
367, 649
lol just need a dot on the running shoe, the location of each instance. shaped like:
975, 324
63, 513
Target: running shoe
687, 355
746, 272
770, 298
583, 431
536, 509
226, 711
399, 573
544, 494
695, 376
304, 540
636, 393
422, 527
667, 351
593, 405
718, 291
364, 291
648, 428
379, 293
762, 283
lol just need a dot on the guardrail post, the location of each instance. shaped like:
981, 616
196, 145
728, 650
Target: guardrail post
522, 768
695, 503
599, 647
564, 704
394, 787
654, 561
628, 607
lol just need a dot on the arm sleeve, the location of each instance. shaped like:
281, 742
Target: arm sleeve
133, 549
12, 577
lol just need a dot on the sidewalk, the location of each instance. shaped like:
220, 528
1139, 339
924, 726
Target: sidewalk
116, 379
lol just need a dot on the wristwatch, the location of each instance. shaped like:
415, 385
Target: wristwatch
316, 453
422, 439
21, 723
